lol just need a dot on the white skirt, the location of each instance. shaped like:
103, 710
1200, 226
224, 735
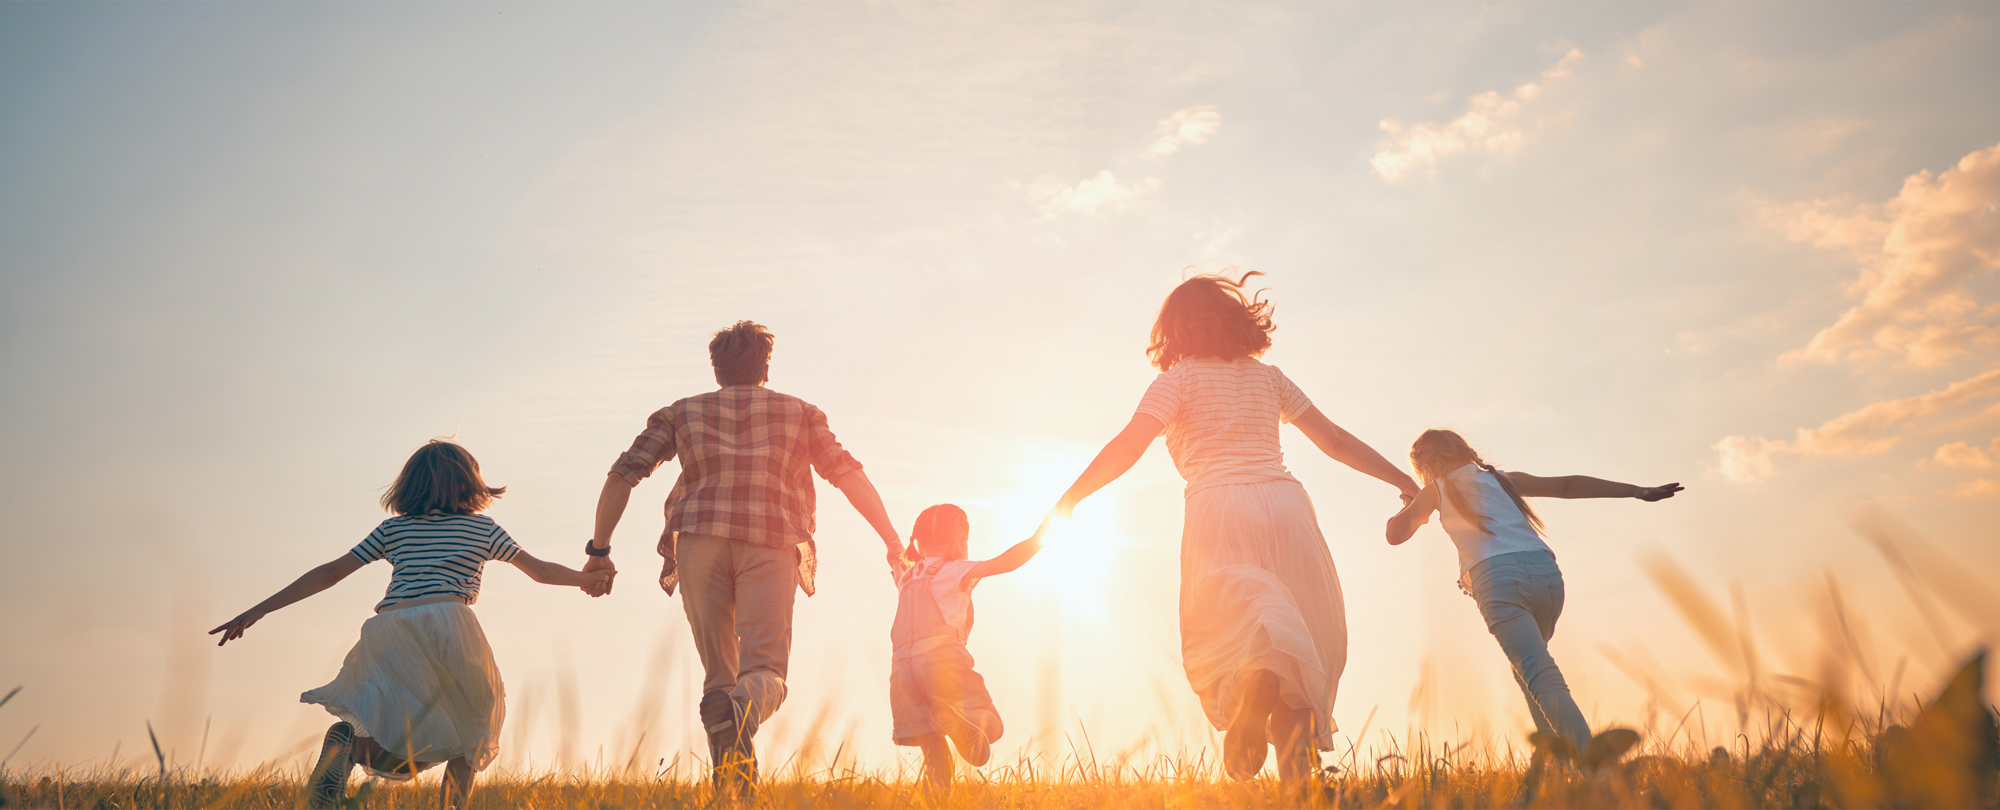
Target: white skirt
422, 683
1258, 591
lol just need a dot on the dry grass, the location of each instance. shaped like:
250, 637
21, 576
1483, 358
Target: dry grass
1795, 766
1817, 746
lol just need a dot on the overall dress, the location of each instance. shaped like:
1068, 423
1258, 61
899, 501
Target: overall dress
931, 684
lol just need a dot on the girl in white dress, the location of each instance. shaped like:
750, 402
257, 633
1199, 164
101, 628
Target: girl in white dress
1504, 565
420, 687
1263, 625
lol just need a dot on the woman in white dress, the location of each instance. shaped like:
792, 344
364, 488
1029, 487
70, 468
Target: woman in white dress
1263, 626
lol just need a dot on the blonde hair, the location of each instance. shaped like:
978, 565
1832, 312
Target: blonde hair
441, 477
938, 529
1437, 452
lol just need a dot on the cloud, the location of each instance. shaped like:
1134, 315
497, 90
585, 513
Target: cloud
1918, 254
1100, 193
1488, 125
1194, 125
1977, 488
1962, 456
1744, 459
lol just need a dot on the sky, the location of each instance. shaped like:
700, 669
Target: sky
252, 255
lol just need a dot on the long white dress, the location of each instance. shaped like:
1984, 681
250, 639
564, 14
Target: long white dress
1258, 586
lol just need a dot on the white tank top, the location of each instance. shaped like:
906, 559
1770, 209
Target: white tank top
1506, 530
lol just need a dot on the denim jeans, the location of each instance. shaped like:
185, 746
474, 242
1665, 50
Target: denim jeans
1521, 595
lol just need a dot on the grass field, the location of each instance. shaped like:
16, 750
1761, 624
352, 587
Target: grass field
1815, 746
1794, 766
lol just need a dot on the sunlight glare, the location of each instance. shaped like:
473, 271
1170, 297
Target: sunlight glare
1077, 553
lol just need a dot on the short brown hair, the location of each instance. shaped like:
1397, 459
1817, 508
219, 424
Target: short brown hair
1209, 315
441, 477
741, 354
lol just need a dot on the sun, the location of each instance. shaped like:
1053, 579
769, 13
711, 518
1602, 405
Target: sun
1077, 553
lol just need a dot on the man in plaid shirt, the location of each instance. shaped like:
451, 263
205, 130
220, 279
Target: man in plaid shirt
739, 530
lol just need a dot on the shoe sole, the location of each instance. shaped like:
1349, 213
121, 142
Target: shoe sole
1608, 746
328, 783
973, 746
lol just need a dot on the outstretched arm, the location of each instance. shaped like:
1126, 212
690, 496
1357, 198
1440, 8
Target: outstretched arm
549, 573
1014, 557
314, 581
1584, 486
1118, 456
1415, 514
1341, 446
861, 494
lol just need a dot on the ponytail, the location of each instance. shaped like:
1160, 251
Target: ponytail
1520, 503
1437, 451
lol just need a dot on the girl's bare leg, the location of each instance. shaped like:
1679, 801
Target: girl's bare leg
457, 785
937, 761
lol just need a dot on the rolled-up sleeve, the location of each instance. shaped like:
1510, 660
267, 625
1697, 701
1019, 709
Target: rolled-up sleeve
829, 459
653, 447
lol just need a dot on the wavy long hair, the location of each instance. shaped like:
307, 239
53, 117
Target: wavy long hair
1437, 452
1211, 315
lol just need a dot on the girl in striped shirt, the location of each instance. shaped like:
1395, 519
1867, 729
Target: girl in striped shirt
420, 687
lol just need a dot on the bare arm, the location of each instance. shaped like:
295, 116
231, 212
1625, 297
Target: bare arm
1584, 486
549, 573
1015, 557
1114, 460
1341, 446
320, 578
611, 502
862, 496
1415, 514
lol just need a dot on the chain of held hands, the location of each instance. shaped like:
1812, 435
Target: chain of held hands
899, 556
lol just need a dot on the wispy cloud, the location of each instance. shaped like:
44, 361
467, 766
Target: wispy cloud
1490, 124
1962, 456
1918, 253
1861, 432
1104, 192
1194, 125
1977, 488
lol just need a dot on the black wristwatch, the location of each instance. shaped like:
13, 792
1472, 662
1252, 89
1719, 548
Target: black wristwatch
590, 548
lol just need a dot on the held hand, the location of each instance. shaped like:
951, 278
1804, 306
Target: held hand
601, 586
1659, 493
235, 627
899, 561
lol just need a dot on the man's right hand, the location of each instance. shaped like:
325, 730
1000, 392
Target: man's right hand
898, 562
603, 586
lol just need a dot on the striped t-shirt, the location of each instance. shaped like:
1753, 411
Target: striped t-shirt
435, 555
1222, 419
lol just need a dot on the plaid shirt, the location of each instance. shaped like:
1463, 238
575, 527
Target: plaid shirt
746, 452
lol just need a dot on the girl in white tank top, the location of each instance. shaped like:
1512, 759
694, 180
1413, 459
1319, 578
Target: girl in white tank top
1507, 568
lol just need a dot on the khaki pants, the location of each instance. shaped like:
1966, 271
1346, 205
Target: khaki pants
739, 599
